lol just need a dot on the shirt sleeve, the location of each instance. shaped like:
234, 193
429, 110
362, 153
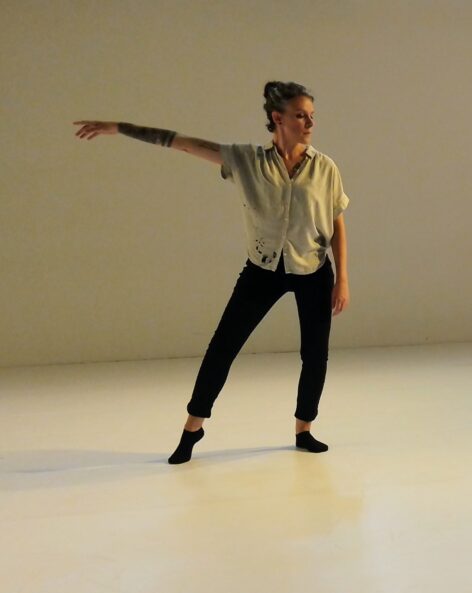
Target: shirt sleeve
227, 154
340, 199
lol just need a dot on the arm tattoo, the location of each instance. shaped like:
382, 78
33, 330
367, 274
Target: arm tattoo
152, 135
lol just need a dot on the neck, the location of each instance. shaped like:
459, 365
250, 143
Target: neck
288, 150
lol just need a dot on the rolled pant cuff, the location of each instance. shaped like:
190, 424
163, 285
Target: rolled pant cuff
198, 413
310, 419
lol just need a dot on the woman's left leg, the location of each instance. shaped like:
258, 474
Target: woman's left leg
313, 297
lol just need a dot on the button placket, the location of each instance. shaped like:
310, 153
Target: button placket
287, 218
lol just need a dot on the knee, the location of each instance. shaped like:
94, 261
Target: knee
315, 354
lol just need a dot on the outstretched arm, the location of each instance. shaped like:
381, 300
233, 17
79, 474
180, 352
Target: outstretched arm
168, 138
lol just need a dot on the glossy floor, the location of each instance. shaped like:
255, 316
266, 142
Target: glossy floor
89, 503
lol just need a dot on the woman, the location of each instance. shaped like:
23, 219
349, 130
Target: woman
293, 199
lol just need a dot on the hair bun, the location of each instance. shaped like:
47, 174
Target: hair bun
273, 84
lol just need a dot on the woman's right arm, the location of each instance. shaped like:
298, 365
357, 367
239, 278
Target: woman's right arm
204, 149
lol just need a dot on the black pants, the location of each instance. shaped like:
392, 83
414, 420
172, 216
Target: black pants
255, 292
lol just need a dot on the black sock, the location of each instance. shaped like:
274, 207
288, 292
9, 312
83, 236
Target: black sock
305, 440
183, 452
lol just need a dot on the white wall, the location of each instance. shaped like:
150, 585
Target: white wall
114, 249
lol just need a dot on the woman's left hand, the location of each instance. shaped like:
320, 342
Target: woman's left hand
340, 296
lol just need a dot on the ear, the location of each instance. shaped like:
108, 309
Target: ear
276, 115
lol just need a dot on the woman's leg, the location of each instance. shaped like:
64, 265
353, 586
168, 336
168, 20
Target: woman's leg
254, 294
313, 297
193, 423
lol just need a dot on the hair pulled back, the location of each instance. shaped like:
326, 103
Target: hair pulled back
277, 94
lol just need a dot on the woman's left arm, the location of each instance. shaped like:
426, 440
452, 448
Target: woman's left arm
340, 294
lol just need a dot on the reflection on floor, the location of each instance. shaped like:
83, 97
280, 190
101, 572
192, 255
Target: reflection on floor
89, 503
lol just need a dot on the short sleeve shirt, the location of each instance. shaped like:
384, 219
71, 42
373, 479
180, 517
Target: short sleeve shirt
293, 216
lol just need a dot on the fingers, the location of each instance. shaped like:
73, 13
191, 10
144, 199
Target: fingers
337, 306
89, 128
84, 132
339, 300
337, 309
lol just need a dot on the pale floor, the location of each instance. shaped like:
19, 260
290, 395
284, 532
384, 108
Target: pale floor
89, 504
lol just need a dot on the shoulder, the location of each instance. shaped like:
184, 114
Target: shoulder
325, 161
240, 150
240, 146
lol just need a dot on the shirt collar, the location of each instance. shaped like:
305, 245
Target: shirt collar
310, 151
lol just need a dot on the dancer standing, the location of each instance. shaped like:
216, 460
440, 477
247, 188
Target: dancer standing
293, 199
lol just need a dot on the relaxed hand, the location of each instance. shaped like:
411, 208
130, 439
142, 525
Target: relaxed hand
340, 296
94, 128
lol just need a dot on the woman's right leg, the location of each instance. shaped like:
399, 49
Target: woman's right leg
193, 423
255, 292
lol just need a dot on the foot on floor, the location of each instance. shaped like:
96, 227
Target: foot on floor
183, 452
305, 440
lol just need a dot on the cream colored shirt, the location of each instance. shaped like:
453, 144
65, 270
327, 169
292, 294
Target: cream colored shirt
282, 214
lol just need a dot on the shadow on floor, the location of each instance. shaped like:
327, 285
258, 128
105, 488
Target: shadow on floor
22, 470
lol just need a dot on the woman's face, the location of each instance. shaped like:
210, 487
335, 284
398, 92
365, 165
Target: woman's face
297, 121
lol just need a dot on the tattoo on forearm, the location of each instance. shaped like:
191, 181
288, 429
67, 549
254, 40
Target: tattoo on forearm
152, 135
